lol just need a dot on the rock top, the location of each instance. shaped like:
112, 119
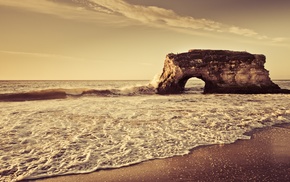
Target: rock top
223, 71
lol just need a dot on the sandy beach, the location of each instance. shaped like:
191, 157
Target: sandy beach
265, 157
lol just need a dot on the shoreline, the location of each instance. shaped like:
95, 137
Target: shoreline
264, 157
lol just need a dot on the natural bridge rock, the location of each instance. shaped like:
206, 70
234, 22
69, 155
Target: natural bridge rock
222, 71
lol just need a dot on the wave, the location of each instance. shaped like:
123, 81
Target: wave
194, 90
61, 93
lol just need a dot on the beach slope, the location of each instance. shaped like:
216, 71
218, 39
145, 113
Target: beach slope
265, 157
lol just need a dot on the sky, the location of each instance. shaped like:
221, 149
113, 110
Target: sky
129, 39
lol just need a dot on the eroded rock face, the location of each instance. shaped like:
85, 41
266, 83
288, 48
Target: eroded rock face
222, 71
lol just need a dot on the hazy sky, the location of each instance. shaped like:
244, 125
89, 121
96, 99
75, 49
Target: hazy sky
129, 39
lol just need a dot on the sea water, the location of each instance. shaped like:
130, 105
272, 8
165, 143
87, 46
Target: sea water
111, 124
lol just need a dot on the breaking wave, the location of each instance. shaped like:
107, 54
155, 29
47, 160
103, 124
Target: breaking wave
48, 94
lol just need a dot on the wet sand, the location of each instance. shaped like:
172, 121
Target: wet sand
265, 157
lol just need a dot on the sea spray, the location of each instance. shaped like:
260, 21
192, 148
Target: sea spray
148, 88
155, 81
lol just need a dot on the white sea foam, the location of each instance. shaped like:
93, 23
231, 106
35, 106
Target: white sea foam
80, 135
155, 81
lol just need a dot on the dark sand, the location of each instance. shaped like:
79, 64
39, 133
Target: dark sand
266, 157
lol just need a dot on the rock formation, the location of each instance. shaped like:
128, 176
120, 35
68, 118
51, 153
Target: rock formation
222, 71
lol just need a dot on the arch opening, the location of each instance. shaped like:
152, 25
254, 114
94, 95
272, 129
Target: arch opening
194, 85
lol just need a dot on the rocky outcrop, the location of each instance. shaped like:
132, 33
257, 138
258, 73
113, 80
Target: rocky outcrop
222, 71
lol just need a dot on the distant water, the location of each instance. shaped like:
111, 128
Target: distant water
71, 127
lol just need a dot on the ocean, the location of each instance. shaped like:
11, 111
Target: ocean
50, 128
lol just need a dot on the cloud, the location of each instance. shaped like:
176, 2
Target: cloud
242, 31
148, 15
155, 16
279, 39
83, 4
69, 9
42, 55
43, 6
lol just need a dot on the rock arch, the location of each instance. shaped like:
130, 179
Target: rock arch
222, 71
